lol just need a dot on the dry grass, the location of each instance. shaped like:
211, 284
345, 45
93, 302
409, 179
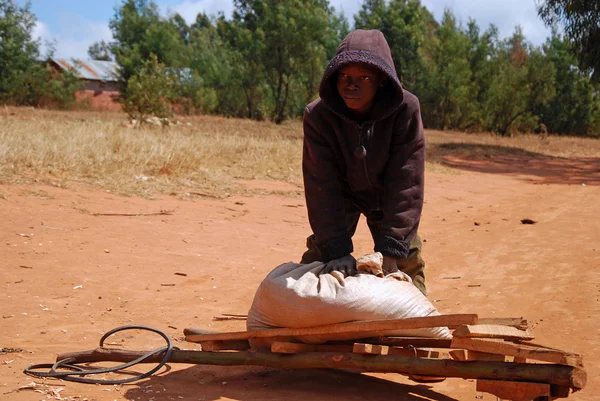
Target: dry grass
207, 156
90, 148
483, 145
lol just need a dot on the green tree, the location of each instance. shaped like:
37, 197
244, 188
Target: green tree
140, 32
581, 22
19, 52
522, 82
287, 34
100, 51
448, 94
577, 102
182, 27
407, 26
149, 92
45, 86
339, 28
25, 79
483, 53
242, 92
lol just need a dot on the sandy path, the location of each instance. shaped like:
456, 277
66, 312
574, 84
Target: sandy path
67, 276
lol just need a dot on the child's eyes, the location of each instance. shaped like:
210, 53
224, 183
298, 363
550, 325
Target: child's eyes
341, 75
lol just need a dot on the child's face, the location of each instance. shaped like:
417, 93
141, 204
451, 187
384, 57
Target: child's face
357, 85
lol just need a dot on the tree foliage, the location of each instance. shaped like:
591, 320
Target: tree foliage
24, 78
447, 83
287, 38
266, 62
100, 51
150, 92
139, 33
581, 22
18, 50
407, 26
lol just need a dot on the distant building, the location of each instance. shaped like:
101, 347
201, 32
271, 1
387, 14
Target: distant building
100, 81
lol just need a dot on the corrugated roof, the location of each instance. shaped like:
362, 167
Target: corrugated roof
94, 70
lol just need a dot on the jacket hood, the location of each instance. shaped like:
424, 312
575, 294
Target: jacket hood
365, 47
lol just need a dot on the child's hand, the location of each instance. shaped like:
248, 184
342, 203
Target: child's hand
345, 265
389, 265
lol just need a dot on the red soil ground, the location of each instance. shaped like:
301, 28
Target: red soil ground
68, 276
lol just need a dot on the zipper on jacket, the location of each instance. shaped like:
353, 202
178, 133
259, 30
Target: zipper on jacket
362, 148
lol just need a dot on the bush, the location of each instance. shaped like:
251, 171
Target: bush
45, 86
149, 92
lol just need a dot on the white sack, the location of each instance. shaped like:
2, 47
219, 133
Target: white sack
295, 295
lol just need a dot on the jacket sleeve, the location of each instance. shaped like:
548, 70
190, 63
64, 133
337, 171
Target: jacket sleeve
403, 188
323, 193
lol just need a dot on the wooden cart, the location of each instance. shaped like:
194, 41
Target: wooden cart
497, 353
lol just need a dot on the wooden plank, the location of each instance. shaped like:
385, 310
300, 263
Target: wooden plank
518, 351
458, 355
282, 347
484, 356
514, 390
409, 341
373, 349
371, 328
370, 349
559, 391
517, 322
492, 331
229, 345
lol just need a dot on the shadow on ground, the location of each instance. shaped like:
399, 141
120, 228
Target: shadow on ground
207, 383
495, 159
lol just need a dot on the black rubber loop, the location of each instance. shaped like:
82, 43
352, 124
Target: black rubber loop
76, 371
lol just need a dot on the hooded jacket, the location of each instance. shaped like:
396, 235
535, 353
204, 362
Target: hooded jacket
377, 164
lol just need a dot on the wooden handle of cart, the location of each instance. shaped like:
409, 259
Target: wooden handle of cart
560, 375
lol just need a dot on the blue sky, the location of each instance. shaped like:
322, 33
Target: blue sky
75, 24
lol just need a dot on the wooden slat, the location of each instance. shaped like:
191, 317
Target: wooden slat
371, 328
514, 391
517, 322
372, 349
282, 347
492, 331
458, 355
409, 341
559, 391
484, 356
518, 351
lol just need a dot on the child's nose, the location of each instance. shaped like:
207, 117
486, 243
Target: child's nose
352, 83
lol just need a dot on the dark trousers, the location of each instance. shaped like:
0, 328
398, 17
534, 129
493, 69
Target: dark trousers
413, 265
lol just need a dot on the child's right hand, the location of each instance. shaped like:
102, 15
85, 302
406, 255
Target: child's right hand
345, 265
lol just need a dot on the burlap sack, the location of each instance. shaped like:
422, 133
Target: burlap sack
295, 295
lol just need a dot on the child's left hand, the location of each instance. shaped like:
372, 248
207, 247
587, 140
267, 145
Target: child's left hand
389, 265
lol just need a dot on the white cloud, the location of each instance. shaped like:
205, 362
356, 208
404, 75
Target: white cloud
41, 32
74, 36
505, 14
350, 8
189, 9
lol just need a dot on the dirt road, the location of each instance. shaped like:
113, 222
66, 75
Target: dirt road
67, 276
